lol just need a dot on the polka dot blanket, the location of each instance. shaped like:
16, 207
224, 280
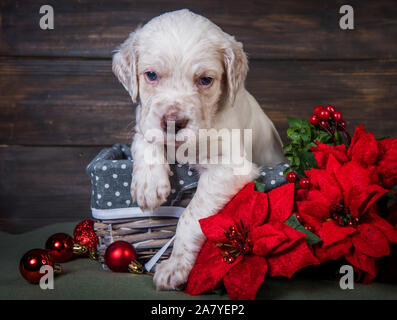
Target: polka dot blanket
111, 173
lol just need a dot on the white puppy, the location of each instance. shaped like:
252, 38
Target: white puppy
181, 67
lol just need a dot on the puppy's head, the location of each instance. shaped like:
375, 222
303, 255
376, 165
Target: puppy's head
180, 67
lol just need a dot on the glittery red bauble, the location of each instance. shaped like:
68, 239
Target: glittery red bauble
119, 255
85, 235
32, 261
60, 246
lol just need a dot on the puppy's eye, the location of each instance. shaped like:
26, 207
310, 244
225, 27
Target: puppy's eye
151, 76
205, 81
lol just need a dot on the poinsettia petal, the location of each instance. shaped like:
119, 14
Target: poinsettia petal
209, 269
333, 164
323, 151
315, 209
259, 208
359, 200
301, 194
363, 147
308, 220
287, 262
316, 195
331, 232
371, 241
387, 162
243, 280
381, 224
334, 251
358, 190
248, 206
293, 236
352, 173
362, 262
267, 237
281, 202
325, 182
214, 227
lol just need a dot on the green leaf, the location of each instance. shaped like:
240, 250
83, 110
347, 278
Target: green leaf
382, 138
259, 186
288, 148
310, 238
294, 136
322, 137
302, 136
294, 122
338, 138
306, 137
296, 161
307, 160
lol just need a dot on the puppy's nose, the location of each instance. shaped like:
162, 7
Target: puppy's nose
180, 123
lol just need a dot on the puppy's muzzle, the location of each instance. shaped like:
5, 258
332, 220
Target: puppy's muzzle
175, 121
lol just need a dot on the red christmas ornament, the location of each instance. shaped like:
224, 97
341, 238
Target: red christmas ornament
84, 235
120, 257
60, 246
32, 261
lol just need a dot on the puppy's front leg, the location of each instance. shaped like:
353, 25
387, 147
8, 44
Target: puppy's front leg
217, 185
150, 184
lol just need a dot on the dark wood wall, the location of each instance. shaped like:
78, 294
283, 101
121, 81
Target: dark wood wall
60, 103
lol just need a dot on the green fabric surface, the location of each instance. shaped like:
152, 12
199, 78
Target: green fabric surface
85, 279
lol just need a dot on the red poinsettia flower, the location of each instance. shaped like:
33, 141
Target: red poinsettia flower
248, 239
340, 207
368, 152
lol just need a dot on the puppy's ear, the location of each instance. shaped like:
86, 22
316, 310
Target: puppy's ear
236, 67
125, 66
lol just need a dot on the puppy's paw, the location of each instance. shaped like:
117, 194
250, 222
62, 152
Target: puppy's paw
150, 187
171, 274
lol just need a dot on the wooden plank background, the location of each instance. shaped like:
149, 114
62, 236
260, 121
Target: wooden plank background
60, 103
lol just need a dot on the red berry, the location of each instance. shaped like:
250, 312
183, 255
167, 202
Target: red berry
330, 109
298, 216
304, 183
343, 123
314, 119
309, 228
317, 109
324, 115
337, 116
291, 176
323, 124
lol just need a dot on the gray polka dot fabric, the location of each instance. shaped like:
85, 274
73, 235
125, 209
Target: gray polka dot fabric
111, 175
273, 177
